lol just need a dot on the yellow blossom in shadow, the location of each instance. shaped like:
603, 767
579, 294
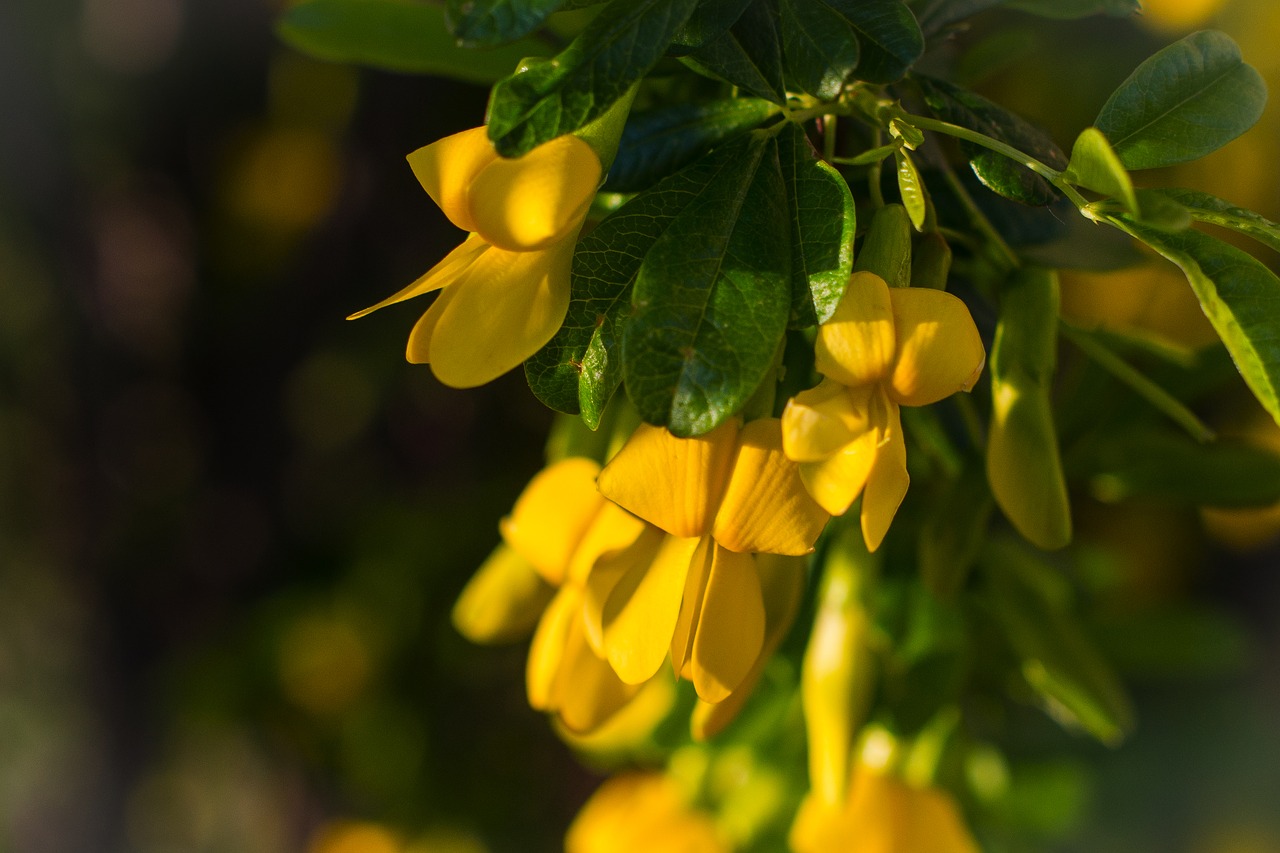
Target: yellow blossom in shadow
882, 348
641, 813
503, 292
696, 594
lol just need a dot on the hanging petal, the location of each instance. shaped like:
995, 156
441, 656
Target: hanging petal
553, 514
641, 612
530, 202
443, 274
611, 531
855, 347
939, 350
730, 630
503, 311
887, 483
502, 601
418, 349
587, 692
447, 167
765, 507
607, 573
675, 483
695, 587
546, 652
819, 422
836, 482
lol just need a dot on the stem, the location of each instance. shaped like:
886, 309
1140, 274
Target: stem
873, 174
1007, 259
829, 137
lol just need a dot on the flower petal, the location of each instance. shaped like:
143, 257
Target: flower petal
443, 274
553, 514
611, 531
939, 350
418, 349
607, 573
502, 601
587, 692
506, 307
765, 507
695, 587
640, 614
447, 167
855, 347
819, 422
888, 480
730, 630
675, 483
836, 482
547, 649
530, 202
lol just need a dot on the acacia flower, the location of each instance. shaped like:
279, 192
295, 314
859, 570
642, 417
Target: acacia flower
559, 528
503, 292
882, 348
720, 498
639, 812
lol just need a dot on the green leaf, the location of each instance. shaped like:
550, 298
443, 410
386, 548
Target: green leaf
823, 222
549, 99
657, 142
934, 15
886, 247
581, 367
747, 55
1095, 166
1069, 9
712, 298
1186, 101
1159, 463
819, 46
914, 197
1239, 295
997, 172
1077, 686
708, 22
1207, 208
396, 35
485, 23
888, 35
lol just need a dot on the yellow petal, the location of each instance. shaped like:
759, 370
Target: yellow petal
939, 351
819, 422
730, 630
675, 483
530, 202
640, 614
418, 350
612, 531
607, 573
695, 587
835, 483
501, 312
447, 167
855, 347
587, 692
502, 601
553, 514
547, 649
765, 507
888, 480
449, 270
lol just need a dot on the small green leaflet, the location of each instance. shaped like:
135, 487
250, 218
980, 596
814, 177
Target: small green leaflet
712, 298
485, 23
823, 222
819, 47
997, 172
581, 367
1095, 166
912, 190
1239, 295
1208, 208
1186, 101
658, 142
1068, 9
546, 100
396, 35
747, 55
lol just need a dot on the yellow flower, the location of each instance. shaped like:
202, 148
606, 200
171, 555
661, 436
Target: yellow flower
640, 813
883, 348
882, 814
721, 497
503, 292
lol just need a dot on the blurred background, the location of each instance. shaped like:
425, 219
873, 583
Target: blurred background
232, 524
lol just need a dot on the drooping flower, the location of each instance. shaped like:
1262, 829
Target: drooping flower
721, 498
557, 531
639, 813
882, 348
503, 292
